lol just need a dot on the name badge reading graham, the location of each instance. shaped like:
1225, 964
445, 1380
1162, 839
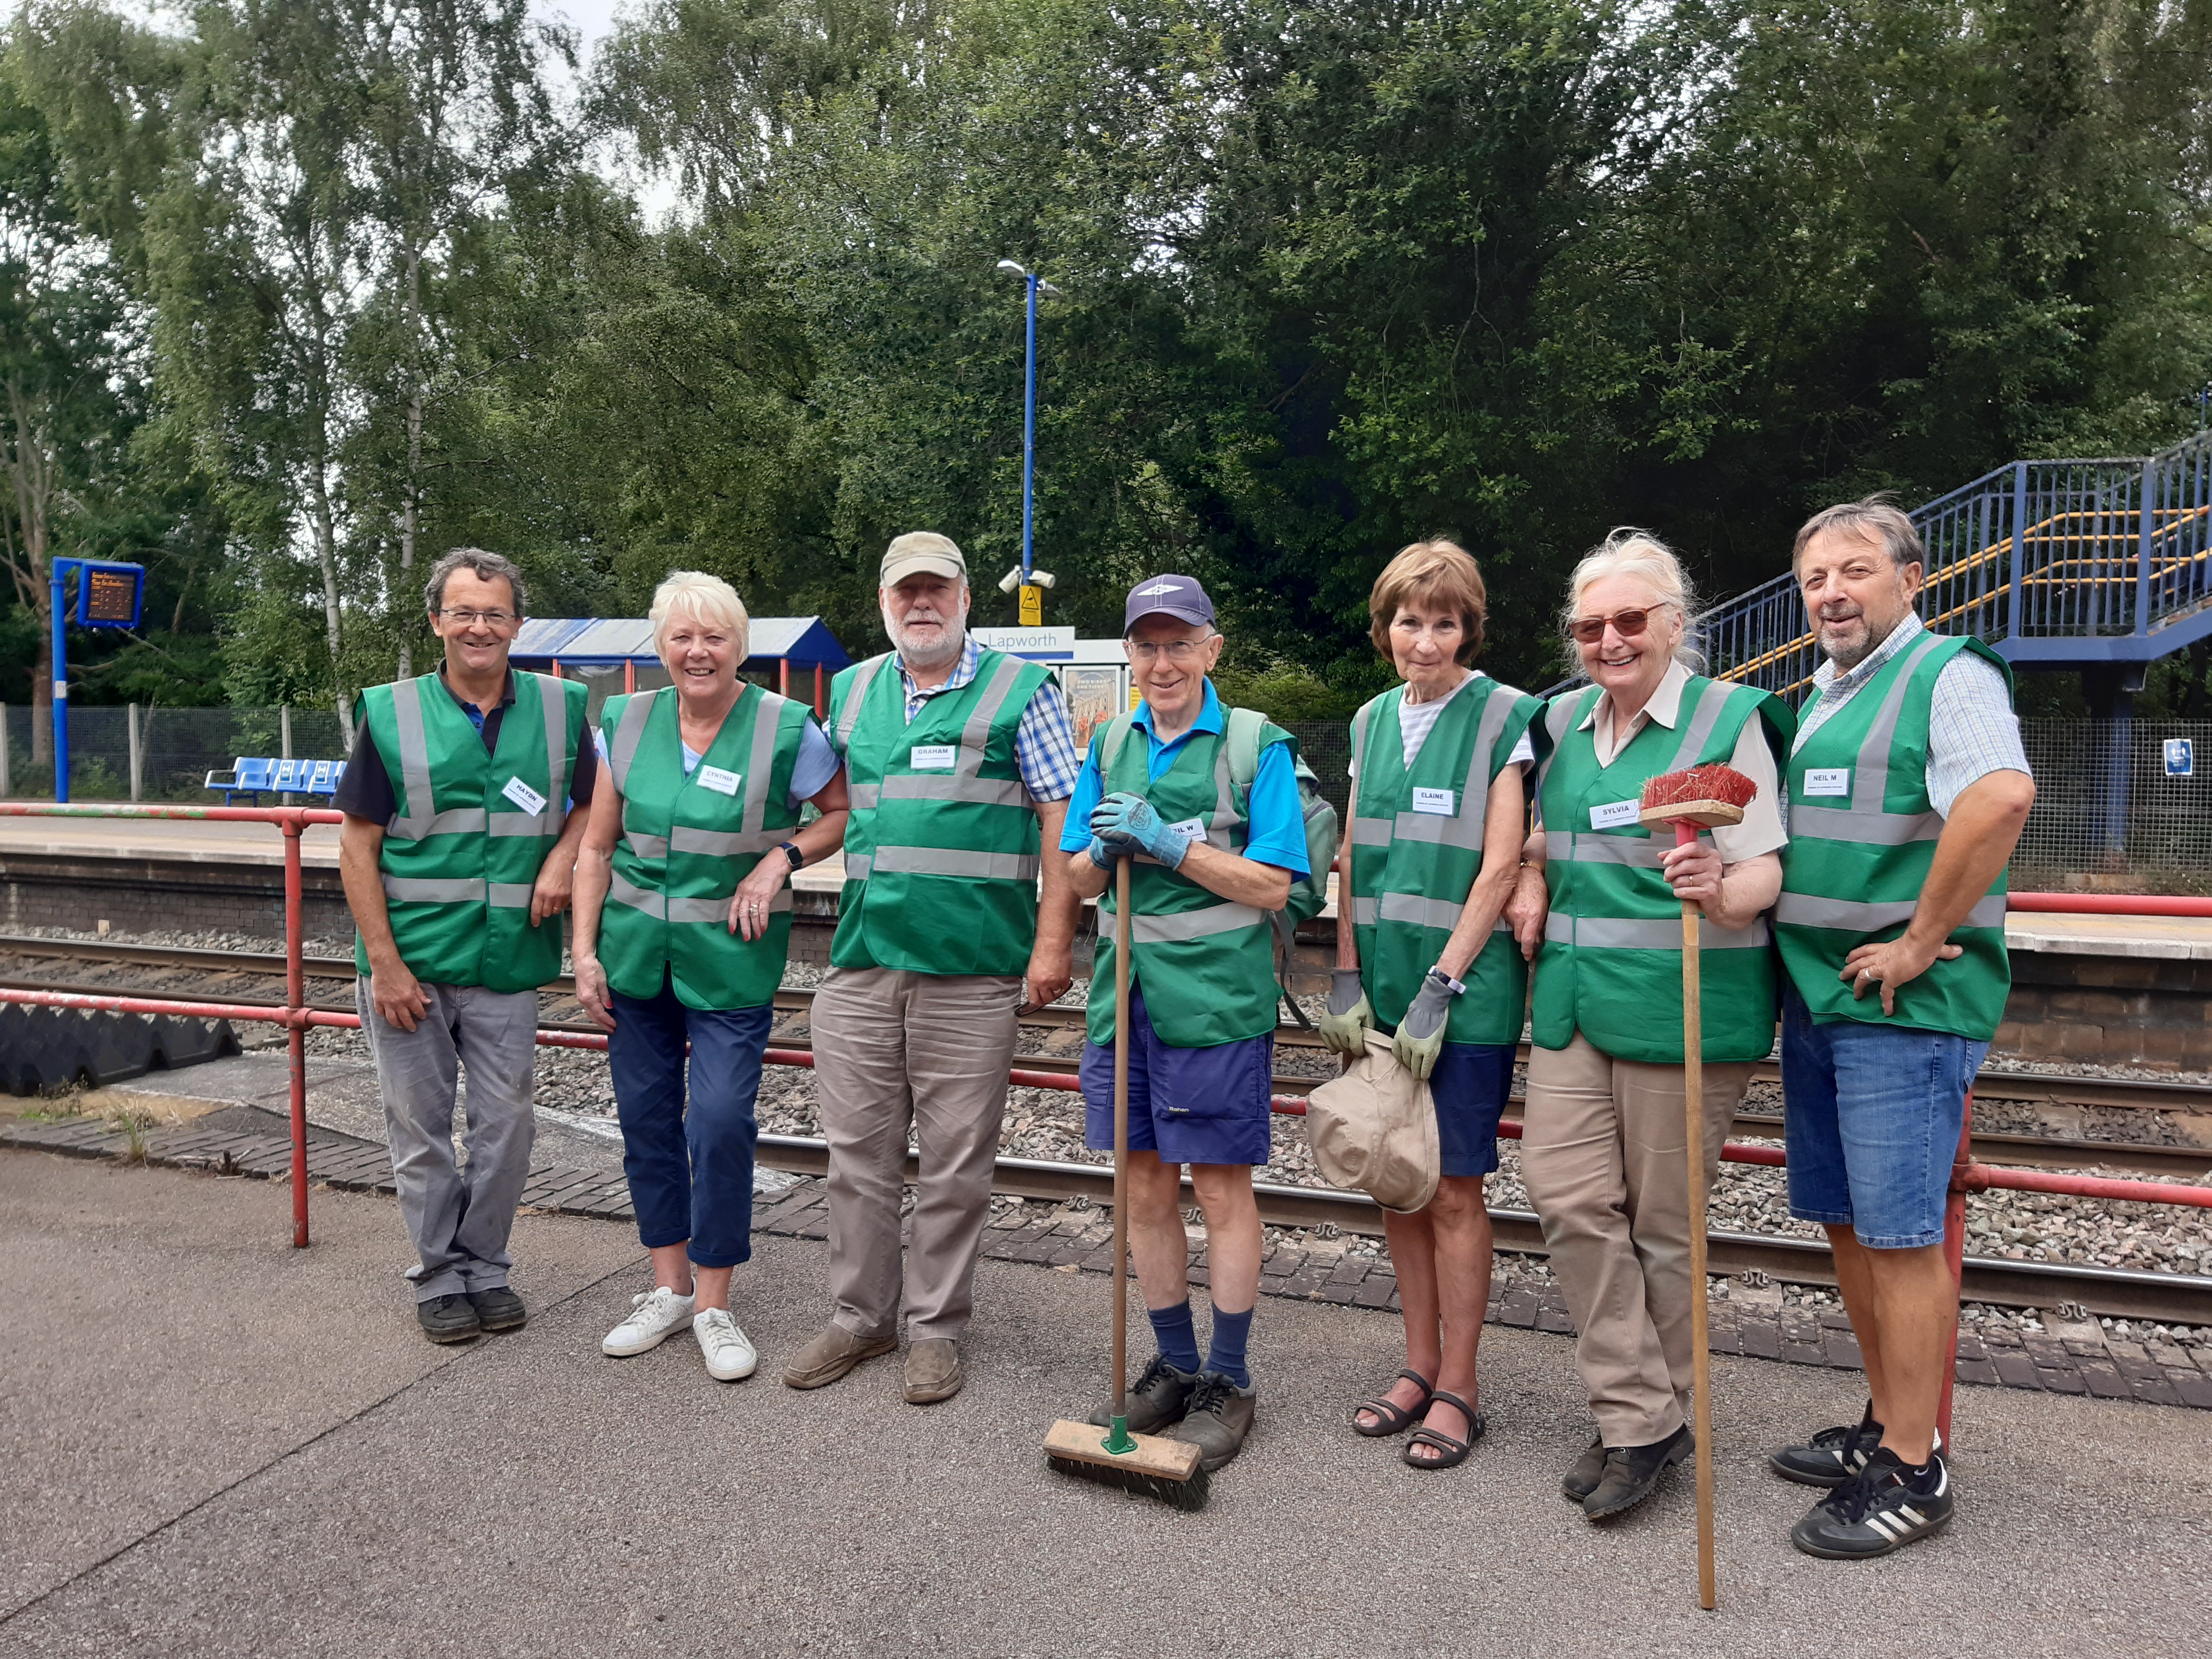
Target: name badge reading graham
715, 778
1827, 780
1439, 802
524, 796
932, 756
1616, 815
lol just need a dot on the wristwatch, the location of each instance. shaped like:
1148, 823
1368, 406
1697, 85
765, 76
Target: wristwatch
790, 850
1458, 988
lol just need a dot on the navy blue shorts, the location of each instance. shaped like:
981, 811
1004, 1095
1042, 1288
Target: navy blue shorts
1471, 1083
1189, 1105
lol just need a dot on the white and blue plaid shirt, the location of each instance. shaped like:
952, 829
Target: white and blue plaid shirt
1044, 742
1971, 729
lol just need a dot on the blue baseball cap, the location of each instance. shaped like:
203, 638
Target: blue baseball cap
1180, 597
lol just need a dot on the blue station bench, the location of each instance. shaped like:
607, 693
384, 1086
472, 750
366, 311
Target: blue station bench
254, 776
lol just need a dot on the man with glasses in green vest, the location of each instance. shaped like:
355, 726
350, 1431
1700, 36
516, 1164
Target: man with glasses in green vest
959, 762
1906, 789
1215, 852
459, 855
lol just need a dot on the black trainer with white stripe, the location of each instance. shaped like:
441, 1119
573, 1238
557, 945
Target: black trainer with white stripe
1833, 1456
1877, 1509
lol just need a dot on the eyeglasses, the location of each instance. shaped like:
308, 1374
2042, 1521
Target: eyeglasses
1589, 630
1176, 651
470, 618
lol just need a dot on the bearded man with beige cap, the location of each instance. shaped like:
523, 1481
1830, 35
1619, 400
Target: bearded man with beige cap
959, 762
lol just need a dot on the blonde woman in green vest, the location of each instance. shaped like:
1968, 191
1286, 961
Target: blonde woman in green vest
1438, 816
1602, 1151
457, 854
683, 924
1907, 790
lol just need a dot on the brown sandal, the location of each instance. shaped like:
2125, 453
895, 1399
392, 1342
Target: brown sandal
1453, 1451
1393, 1418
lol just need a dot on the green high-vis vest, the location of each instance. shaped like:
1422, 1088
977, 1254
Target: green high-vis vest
1417, 835
1863, 834
688, 841
1610, 964
941, 852
1206, 963
470, 829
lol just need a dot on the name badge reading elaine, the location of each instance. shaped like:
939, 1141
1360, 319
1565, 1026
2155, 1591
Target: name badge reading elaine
932, 756
1616, 815
1190, 829
524, 796
1827, 780
715, 778
1436, 801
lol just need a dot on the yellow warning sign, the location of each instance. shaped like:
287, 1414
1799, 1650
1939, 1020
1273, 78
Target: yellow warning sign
1032, 605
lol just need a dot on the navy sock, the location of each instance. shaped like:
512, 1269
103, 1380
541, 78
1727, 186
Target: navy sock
1177, 1336
1231, 1331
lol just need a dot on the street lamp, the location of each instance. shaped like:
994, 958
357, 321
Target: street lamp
1025, 575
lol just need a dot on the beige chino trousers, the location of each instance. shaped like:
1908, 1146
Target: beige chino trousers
894, 1049
1602, 1154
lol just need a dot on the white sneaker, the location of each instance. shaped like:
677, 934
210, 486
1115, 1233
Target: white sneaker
729, 1353
653, 1320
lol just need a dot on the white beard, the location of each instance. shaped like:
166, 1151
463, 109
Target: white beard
928, 656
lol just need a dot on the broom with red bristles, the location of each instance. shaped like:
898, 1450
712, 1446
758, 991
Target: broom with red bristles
1699, 799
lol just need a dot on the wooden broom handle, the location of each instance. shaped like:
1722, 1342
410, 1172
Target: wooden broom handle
1120, 1136
1693, 1094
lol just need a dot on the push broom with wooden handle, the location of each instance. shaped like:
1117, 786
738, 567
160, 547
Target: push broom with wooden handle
1699, 799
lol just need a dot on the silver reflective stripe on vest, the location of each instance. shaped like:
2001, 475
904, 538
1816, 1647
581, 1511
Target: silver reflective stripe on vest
1870, 777
556, 751
937, 786
1420, 912
1863, 822
1371, 832
1645, 853
421, 821
858, 865
1858, 916
645, 846
863, 796
1624, 934
1463, 830
1563, 714
1699, 726
636, 897
1875, 829
627, 734
716, 911
1187, 925
951, 861
423, 889
510, 894
722, 843
534, 824
767, 720
863, 678
976, 736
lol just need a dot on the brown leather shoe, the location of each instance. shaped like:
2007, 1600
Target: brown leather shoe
1219, 1416
933, 1371
831, 1354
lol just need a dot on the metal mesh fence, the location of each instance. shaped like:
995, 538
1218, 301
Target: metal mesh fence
177, 748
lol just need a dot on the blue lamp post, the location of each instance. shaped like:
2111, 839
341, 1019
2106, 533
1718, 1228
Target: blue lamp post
1025, 575
109, 594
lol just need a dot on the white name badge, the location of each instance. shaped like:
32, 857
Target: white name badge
1828, 781
1616, 815
1441, 802
715, 778
524, 796
932, 756
1190, 829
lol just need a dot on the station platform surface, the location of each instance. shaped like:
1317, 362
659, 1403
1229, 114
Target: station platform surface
216, 1444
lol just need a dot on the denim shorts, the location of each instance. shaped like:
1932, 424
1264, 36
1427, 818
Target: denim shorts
1189, 1105
1872, 1114
1470, 1084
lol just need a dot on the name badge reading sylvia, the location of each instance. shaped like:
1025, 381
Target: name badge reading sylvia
932, 756
524, 796
1616, 815
1440, 802
1190, 829
1828, 779
715, 778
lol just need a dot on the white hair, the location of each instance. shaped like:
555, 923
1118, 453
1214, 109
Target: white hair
695, 596
1628, 551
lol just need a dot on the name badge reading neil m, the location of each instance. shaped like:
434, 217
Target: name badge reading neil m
1828, 779
715, 778
932, 756
524, 796
1616, 815
1190, 829
1440, 802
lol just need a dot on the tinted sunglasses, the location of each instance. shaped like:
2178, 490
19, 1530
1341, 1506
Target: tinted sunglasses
1589, 630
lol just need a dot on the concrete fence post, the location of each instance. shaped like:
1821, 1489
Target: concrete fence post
137, 754
6, 782
284, 741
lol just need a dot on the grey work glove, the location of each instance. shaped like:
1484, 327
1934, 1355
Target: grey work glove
1420, 1037
1344, 1027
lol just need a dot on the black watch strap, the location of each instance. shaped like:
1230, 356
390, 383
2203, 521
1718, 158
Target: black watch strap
790, 850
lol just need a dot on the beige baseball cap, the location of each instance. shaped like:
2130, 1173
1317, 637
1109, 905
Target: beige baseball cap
920, 551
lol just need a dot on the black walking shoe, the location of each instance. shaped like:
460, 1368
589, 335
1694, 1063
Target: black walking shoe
1219, 1416
1588, 1469
1631, 1474
448, 1319
1833, 1456
1877, 1509
1157, 1402
499, 1309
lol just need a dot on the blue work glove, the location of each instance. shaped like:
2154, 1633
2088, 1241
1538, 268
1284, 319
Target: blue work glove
1102, 855
1345, 1026
1420, 1037
1129, 823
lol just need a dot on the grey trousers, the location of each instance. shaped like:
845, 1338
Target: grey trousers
893, 1048
460, 1218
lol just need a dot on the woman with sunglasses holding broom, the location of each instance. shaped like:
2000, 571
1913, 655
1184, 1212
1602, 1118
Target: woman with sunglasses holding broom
1603, 1151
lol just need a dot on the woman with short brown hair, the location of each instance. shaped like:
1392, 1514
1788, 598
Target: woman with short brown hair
1438, 813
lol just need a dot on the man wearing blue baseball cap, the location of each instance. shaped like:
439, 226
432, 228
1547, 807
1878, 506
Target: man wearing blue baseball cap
1208, 806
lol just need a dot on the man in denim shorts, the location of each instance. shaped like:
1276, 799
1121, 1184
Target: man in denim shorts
1213, 855
1907, 790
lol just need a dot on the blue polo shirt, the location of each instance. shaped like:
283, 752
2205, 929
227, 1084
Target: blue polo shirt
1277, 832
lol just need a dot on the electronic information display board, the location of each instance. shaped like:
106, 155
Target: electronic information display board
109, 595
